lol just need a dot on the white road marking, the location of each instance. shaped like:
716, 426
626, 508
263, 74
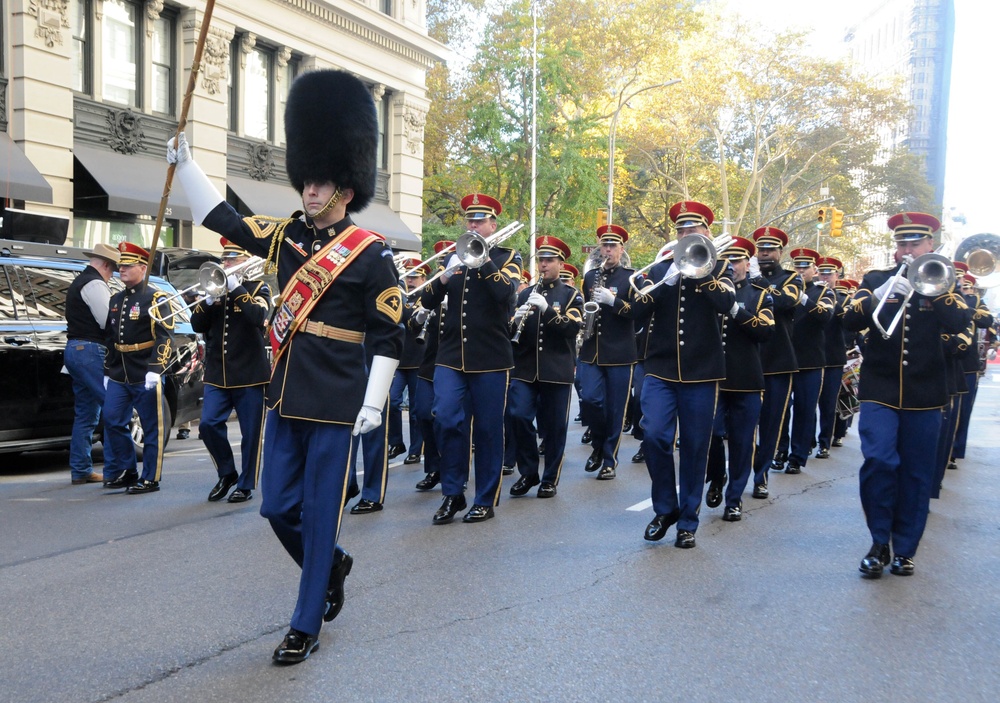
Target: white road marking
639, 507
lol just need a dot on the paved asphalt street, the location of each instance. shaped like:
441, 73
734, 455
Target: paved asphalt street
166, 597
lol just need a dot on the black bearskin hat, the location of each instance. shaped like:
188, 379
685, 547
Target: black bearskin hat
331, 133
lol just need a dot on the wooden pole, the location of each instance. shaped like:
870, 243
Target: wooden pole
181, 124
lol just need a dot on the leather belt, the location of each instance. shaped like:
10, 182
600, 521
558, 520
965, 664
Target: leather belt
134, 347
321, 329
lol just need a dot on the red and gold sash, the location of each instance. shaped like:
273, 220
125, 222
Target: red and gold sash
313, 279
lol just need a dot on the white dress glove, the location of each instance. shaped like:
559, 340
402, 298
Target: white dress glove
453, 264
803, 298
603, 296
672, 275
539, 301
520, 312
754, 267
733, 310
180, 153
232, 283
376, 394
152, 380
420, 315
209, 299
900, 287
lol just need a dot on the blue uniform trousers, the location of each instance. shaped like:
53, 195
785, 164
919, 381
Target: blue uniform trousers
736, 419
304, 487
486, 393
548, 404
897, 472
638, 376
665, 405
605, 391
777, 388
965, 413
805, 394
510, 440
152, 409
949, 425
85, 362
827, 405
375, 458
248, 402
421, 412
404, 380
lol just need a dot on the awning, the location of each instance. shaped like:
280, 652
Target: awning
19, 179
133, 183
281, 200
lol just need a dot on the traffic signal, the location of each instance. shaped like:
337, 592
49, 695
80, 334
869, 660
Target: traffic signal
836, 223
823, 214
602, 217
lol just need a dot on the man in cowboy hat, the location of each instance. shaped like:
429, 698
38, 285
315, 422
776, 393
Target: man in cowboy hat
87, 302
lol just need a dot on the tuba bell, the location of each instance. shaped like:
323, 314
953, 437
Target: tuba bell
981, 252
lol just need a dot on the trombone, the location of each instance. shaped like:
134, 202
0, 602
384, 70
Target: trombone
472, 250
212, 279
930, 274
694, 254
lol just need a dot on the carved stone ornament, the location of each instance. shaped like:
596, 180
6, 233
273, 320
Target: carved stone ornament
413, 128
52, 16
3, 105
261, 164
248, 42
283, 56
153, 10
214, 61
378, 90
124, 131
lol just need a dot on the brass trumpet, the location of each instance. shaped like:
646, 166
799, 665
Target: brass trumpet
930, 274
212, 279
694, 254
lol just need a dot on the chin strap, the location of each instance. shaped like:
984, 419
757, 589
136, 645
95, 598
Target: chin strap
202, 195
334, 199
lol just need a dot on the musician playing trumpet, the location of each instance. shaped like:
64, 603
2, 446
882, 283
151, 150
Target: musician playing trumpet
548, 318
236, 375
415, 322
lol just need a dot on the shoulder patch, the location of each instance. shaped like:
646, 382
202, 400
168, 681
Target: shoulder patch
390, 303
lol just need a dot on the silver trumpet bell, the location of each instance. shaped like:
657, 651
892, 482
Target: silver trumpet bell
695, 256
472, 249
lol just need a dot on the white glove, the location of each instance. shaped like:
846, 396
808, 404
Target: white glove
152, 380
376, 393
803, 298
107, 379
603, 296
209, 300
202, 195
453, 264
754, 267
539, 301
232, 283
733, 310
420, 315
901, 287
181, 153
672, 275
520, 312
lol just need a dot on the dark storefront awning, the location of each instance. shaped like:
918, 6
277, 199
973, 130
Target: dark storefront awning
281, 200
19, 179
133, 184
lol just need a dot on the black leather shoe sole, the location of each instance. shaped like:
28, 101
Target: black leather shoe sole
123, 481
823, 453
760, 491
606, 473
143, 487
240, 495
659, 525
222, 488
429, 481
478, 513
901, 566
412, 459
547, 490
793, 468
732, 514
295, 648
523, 485
363, 507
713, 498
685, 540
395, 450
449, 508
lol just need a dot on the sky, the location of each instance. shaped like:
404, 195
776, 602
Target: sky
973, 157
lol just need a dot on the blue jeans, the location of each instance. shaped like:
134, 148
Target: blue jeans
85, 362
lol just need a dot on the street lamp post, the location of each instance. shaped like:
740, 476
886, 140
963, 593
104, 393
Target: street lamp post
622, 102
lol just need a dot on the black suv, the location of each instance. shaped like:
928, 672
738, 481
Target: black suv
36, 400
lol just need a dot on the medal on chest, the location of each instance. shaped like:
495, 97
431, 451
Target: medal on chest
133, 313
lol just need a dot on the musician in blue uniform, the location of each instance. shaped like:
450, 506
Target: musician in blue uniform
903, 388
777, 355
814, 311
955, 345
982, 319
607, 355
545, 325
406, 375
474, 359
339, 291
741, 391
236, 373
683, 368
642, 334
847, 396
139, 351
830, 272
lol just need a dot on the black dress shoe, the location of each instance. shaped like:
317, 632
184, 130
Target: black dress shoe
124, 480
585, 439
411, 459
777, 466
395, 450
639, 457
627, 428
781, 457
952, 464
478, 513
240, 495
659, 525
183, 434
449, 507
875, 560
606, 473
594, 460
429, 481
335, 586
713, 497
733, 513
365, 506
143, 487
576, 419
546, 490
685, 539
902, 566
823, 453
837, 442
793, 467
523, 485
760, 489
222, 487
507, 470
295, 648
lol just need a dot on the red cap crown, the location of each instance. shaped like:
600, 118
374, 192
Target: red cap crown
770, 238
828, 264
568, 271
478, 206
612, 233
911, 226
229, 249
130, 253
804, 257
961, 266
438, 246
690, 213
740, 248
548, 246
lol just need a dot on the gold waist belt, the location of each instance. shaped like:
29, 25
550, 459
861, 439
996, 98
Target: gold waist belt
134, 347
321, 329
